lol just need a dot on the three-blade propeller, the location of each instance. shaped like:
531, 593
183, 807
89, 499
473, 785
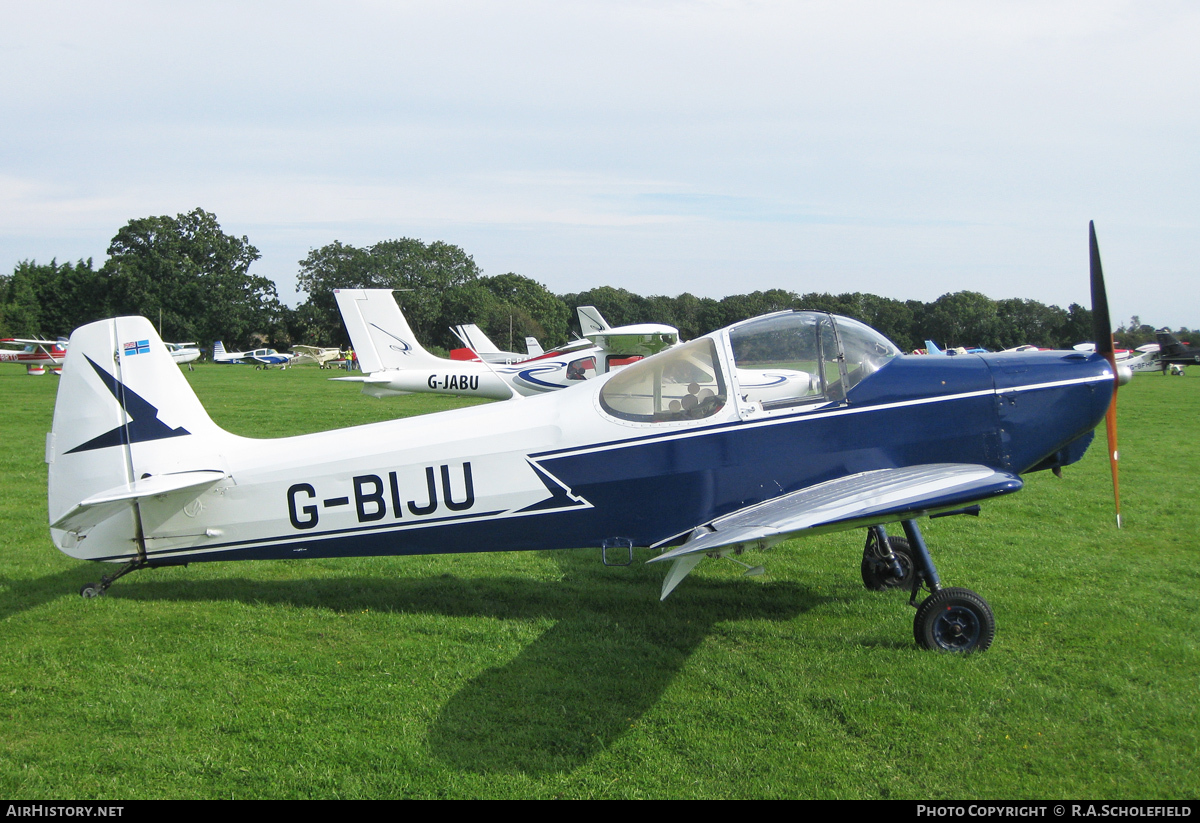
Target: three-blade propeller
1102, 327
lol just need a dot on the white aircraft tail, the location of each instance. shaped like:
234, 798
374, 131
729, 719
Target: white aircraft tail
379, 333
219, 352
590, 320
127, 426
475, 339
533, 347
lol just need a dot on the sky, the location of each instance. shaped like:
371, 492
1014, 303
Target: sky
903, 149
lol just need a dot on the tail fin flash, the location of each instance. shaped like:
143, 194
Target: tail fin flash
379, 333
126, 425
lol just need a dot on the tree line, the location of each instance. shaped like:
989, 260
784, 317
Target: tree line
194, 282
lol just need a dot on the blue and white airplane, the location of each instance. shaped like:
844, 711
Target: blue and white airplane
261, 358
673, 453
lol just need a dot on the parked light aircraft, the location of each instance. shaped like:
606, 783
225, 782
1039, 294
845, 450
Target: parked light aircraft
932, 348
321, 356
673, 453
1146, 357
394, 362
35, 355
261, 358
183, 353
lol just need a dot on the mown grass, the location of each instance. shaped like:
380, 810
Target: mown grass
551, 675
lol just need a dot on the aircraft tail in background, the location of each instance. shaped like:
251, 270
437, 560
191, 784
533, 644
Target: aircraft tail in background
475, 339
380, 335
591, 321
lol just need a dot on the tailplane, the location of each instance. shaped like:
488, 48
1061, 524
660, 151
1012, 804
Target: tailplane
126, 426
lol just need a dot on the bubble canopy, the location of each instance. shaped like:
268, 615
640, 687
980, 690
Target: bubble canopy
782, 360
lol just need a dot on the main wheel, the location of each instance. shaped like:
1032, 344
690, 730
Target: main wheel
955, 620
878, 579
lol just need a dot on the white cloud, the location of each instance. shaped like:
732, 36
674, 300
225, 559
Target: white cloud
904, 148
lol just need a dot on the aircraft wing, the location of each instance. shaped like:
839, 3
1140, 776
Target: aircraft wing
862, 499
316, 354
27, 341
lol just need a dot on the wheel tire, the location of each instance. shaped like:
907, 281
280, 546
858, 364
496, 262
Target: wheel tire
955, 620
878, 580
91, 590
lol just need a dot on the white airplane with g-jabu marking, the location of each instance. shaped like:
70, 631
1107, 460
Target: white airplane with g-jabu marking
394, 362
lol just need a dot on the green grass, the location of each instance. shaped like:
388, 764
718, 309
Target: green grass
551, 675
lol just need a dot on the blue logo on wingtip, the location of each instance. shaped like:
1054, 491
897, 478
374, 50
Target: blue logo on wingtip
138, 347
143, 424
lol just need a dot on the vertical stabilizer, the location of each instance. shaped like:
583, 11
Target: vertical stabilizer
591, 321
1168, 344
476, 340
125, 421
533, 347
379, 333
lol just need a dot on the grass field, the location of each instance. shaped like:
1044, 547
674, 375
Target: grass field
551, 675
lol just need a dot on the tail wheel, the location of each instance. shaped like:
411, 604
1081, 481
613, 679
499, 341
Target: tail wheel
955, 620
876, 576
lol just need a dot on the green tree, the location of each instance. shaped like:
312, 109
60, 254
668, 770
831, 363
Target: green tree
50, 299
186, 273
423, 276
965, 318
1023, 322
527, 308
1078, 328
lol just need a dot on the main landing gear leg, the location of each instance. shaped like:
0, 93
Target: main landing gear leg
951, 619
887, 561
98, 589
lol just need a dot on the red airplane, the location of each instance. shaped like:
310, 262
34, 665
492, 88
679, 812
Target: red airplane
36, 354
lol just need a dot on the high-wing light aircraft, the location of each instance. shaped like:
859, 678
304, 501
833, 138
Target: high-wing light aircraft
1145, 358
673, 452
394, 362
35, 355
261, 358
183, 353
321, 356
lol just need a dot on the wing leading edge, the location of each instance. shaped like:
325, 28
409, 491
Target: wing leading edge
848, 502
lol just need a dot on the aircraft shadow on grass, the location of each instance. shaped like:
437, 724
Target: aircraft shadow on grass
612, 652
